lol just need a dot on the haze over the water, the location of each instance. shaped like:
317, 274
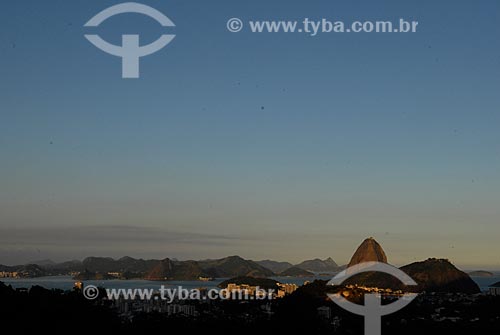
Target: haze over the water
283, 147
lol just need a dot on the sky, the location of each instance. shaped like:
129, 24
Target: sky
268, 146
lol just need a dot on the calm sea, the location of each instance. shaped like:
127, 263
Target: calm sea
66, 282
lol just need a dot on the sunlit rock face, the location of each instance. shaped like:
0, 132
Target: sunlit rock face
368, 251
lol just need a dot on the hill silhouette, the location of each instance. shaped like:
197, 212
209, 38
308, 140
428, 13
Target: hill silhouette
318, 265
369, 251
296, 272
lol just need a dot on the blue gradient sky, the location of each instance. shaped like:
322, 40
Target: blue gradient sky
394, 136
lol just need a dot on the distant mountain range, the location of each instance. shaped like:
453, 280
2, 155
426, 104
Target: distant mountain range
276, 267
43, 262
233, 266
295, 271
481, 273
314, 265
431, 275
155, 269
318, 265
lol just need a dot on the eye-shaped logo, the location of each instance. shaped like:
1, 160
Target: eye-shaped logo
130, 51
373, 310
